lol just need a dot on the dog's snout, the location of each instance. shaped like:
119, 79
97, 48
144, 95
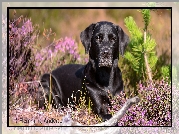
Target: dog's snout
106, 52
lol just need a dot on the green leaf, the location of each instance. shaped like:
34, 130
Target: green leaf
138, 48
165, 71
152, 61
149, 45
134, 61
132, 27
146, 17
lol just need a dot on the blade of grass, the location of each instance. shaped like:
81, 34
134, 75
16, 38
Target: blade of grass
89, 109
50, 91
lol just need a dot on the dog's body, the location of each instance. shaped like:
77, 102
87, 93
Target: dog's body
101, 75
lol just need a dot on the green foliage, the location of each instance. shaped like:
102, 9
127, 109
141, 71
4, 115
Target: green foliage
137, 48
140, 58
140, 54
146, 17
133, 28
165, 71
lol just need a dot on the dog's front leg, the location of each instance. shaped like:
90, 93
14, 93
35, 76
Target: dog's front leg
100, 103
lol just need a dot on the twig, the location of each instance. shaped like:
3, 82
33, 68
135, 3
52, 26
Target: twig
67, 121
149, 72
29, 82
111, 122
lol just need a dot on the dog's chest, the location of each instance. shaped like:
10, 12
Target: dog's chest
91, 86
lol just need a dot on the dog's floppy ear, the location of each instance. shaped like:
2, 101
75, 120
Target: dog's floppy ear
123, 40
86, 36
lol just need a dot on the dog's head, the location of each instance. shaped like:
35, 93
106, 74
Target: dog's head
104, 41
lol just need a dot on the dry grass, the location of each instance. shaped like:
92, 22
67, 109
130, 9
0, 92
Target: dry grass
24, 111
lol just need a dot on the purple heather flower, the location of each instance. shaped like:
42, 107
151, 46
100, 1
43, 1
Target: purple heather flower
27, 27
130, 117
86, 60
140, 85
67, 47
158, 98
14, 30
50, 53
143, 113
150, 123
38, 56
72, 51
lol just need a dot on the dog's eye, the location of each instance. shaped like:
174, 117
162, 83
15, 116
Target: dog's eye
99, 37
112, 37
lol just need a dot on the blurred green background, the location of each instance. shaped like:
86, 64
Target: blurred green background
70, 22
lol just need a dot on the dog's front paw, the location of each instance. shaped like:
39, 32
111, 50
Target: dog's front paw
106, 117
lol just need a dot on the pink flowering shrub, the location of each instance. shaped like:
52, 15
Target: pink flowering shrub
154, 109
22, 37
63, 51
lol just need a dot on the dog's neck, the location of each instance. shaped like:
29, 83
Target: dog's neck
104, 75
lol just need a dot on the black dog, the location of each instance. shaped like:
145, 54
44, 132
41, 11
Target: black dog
103, 41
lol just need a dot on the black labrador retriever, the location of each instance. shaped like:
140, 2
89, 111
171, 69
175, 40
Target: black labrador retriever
104, 41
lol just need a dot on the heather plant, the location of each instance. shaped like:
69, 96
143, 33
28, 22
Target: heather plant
83, 113
154, 109
28, 60
22, 37
60, 52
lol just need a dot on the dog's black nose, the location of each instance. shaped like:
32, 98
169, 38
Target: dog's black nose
106, 52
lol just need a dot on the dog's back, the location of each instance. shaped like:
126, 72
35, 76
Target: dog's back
66, 77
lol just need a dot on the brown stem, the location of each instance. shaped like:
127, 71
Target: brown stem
149, 72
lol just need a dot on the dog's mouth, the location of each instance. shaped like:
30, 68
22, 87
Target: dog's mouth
105, 61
